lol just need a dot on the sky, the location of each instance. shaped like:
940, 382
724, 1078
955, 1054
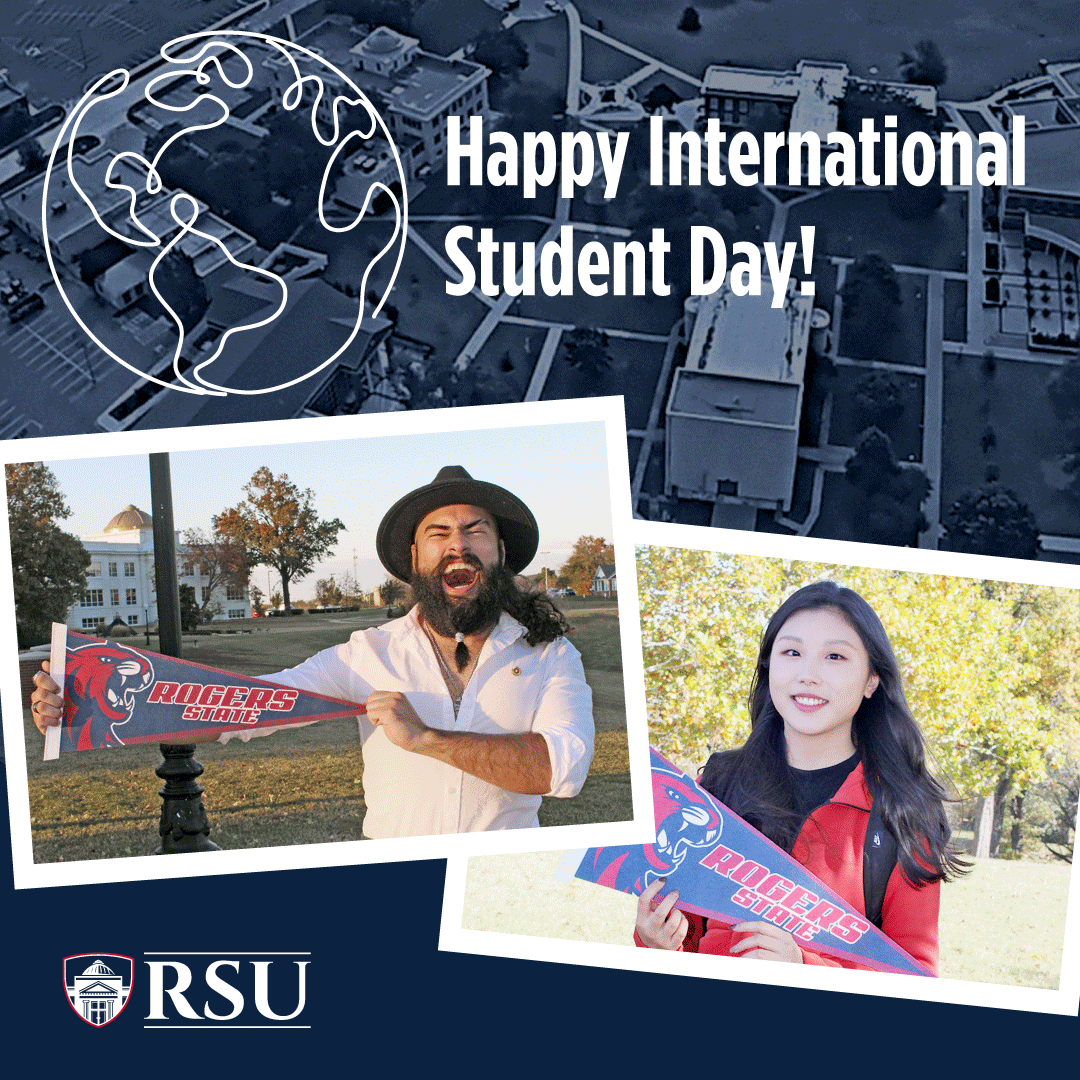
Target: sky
560, 471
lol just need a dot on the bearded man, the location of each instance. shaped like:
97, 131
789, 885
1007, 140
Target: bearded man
477, 704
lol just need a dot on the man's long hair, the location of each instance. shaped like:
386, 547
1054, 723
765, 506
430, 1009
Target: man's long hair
533, 608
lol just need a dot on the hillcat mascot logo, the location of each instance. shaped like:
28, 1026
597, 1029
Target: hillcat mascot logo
745, 877
118, 695
102, 682
98, 985
185, 253
685, 821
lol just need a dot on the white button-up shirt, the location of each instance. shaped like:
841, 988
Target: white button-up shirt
515, 688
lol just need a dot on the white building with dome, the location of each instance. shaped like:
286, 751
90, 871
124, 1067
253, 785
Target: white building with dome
121, 582
98, 994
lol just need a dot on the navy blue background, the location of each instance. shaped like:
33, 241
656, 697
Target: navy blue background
381, 995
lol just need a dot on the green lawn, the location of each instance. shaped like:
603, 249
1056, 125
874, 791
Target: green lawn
300, 786
1003, 924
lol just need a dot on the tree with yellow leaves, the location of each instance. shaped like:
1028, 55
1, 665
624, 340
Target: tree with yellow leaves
990, 668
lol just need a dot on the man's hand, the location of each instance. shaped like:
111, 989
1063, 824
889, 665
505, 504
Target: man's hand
766, 942
518, 762
45, 702
47, 706
392, 712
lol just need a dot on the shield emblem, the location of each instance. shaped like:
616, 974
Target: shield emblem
98, 985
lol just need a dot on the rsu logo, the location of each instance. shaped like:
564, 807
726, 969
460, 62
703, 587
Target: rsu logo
222, 991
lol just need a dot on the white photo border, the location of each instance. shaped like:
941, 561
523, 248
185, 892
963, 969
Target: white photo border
608, 411
453, 937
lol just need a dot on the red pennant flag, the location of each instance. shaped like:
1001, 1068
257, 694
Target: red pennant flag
117, 695
726, 870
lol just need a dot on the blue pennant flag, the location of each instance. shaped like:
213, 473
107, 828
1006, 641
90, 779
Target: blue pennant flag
726, 870
117, 695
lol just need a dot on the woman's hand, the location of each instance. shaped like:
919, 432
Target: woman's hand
766, 942
660, 926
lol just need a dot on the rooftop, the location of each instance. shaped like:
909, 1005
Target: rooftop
744, 337
131, 517
815, 89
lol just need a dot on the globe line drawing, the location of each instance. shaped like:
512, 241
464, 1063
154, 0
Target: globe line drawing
203, 56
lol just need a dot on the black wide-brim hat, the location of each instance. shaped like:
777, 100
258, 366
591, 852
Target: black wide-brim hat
453, 486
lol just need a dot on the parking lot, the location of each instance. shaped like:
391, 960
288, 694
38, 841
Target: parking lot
58, 45
53, 349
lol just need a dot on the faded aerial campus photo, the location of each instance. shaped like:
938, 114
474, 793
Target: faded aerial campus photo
919, 390
821, 260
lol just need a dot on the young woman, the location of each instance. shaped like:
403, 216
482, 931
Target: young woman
831, 733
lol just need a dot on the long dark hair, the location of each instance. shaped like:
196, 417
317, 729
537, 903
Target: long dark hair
534, 609
756, 781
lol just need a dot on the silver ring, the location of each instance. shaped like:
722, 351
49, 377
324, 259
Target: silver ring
33, 707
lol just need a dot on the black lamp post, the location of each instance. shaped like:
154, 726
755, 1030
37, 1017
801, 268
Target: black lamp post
184, 825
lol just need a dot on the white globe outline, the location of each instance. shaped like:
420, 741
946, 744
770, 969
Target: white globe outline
69, 129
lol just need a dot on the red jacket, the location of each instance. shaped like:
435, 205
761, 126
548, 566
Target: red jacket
830, 846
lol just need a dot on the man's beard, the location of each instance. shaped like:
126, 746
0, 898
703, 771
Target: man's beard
449, 617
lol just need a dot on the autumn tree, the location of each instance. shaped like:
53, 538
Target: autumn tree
48, 565
874, 102
1059, 835
990, 669
879, 398
872, 300
278, 526
350, 590
589, 358
589, 552
32, 159
547, 578
220, 560
182, 289
189, 609
327, 592
257, 598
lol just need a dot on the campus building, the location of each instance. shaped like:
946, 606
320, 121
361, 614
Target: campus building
1031, 266
413, 90
98, 994
74, 229
121, 580
15, 119
806, 99
732, 416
